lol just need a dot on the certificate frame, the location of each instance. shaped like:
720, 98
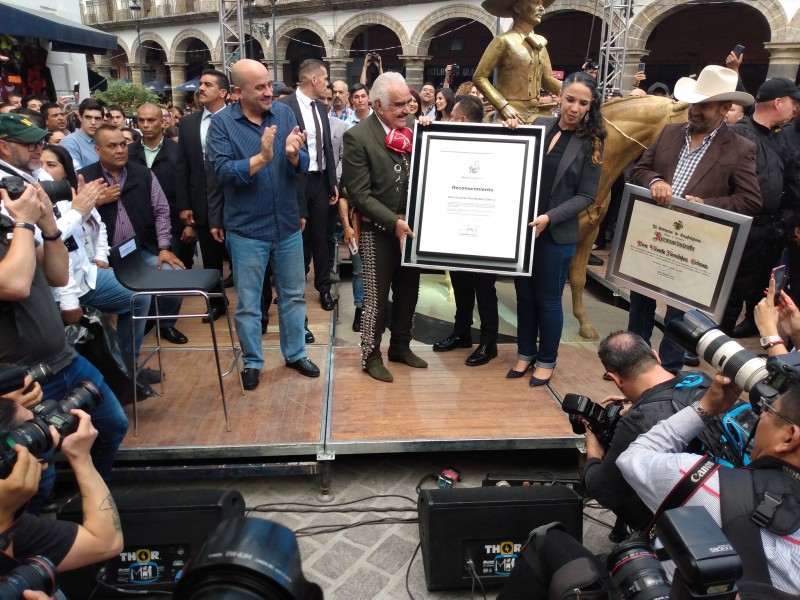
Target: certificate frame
482, 223
686, 258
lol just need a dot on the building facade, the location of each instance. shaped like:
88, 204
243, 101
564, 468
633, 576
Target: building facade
418, 38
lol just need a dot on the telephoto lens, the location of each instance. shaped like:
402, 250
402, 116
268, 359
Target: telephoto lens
637, 573
37, 573
57, 190
697, 333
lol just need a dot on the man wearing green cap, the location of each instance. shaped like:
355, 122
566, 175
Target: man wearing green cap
20, 148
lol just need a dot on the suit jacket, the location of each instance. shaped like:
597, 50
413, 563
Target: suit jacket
196, 188
376, 177
327, 145
725, 177
338, 128
574, 186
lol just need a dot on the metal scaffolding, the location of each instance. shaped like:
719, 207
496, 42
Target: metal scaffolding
231, 25
614, 42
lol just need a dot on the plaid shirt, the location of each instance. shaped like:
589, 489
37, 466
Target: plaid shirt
688, 161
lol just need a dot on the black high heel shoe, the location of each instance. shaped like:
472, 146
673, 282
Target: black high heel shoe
512, 374
536, 382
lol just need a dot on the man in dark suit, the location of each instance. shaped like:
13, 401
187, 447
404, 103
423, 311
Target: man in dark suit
197, 197
703, 162
318, 189
376, 165
158, 153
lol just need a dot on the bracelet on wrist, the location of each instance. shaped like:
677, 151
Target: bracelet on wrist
53, 237
23, 225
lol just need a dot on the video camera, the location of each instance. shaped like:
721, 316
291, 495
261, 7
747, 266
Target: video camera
35, 434
707, 566
55, 190
761, 379
37, 574
602, 420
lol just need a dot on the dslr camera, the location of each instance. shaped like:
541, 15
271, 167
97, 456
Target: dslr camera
602, 420
55, 190
373, 56
35, 434
761, 379
37, 573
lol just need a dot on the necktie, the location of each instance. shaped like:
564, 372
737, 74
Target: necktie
318, 138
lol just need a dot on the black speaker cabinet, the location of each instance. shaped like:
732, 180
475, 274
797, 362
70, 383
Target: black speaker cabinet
486, 525
163, 529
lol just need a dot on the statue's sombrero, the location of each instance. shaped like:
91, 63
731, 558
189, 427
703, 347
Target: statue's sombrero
504, 8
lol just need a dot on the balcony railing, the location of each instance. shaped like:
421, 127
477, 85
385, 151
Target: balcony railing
94, 12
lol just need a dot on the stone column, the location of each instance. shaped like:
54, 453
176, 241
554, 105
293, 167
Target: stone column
135, 71
102, 65
177, 77
784, 59
338, 68
632, 60
415, 68
285, 69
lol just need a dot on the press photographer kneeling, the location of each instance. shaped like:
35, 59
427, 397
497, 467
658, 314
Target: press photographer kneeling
24, 435
651, 393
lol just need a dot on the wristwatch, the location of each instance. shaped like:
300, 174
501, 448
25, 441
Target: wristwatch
27, 226
770, 341
52, 238
701, 412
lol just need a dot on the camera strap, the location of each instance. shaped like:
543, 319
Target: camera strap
683, 490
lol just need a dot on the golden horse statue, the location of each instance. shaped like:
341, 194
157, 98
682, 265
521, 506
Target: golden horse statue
632, 125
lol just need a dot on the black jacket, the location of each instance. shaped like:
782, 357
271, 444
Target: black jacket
164, 168
770, 162
196, 188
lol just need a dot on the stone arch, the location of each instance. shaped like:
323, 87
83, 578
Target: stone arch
182, 42
148, 36
792, 33
591, 7
352, 27
645, 21
292, 25
420, 39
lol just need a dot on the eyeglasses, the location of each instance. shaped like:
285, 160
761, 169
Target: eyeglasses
764, 405
32, 147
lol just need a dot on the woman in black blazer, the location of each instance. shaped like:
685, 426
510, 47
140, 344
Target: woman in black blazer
570, 174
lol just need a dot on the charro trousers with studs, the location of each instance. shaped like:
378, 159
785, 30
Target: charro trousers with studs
380, 253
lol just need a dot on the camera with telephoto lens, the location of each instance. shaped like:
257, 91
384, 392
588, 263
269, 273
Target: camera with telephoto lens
247, 559
12, 377
35, 434
602, 420
761, 379
707, 566
37, 574
55, 190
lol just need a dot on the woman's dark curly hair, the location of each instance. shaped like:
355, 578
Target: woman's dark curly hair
591, 126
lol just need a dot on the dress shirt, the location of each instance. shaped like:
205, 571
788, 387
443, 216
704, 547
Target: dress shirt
689, 159
205, 123
151, 153
353, 119
429, 112
81, 148
261, 206
307, 108
655, 462
344, 115
124, 227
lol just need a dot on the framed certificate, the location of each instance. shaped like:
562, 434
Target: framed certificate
685, 255
473, 189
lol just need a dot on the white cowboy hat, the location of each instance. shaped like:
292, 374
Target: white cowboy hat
714, 84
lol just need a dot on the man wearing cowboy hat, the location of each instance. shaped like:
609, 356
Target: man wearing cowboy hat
702, 161
521, 59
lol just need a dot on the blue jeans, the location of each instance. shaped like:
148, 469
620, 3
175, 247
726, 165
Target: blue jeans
358, 279
642, 319
110, 296
170, 305
539, 312
288, 271
108, 418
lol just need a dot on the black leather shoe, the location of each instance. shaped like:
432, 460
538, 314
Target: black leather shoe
596, 261
250, 379
326, 301
228, 281
216, 313
149, 376
309, 336
691, 360
304, 366
173, 335
357, 319
451, 342
746, 328
264, 325
482, 355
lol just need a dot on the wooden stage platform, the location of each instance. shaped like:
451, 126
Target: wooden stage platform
448, 406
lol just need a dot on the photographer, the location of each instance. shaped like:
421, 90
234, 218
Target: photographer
67, 545
656, 463
29, 317
372, 69
768, 317
653, 392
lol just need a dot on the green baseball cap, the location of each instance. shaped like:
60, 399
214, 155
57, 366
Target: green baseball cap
19, 128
